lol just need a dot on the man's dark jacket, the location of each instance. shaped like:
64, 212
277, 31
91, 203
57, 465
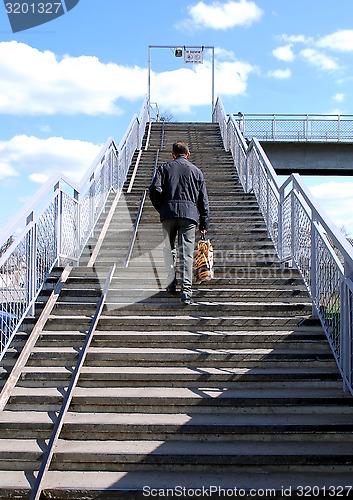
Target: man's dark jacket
178, 190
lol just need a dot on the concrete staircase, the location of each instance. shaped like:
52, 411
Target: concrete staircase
239, 390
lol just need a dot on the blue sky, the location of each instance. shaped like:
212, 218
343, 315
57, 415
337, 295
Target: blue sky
69, 84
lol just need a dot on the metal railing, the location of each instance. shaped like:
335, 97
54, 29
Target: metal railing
296, 127
303, 236
56, 226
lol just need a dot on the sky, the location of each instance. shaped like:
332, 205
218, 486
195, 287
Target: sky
69, 84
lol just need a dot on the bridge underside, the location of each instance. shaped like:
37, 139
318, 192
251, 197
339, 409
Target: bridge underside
310, 158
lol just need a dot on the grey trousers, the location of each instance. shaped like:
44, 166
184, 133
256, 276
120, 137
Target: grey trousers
182, 231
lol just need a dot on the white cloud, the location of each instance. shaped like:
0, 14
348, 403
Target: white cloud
339, 97
284, 53
280, 74
319, 59
222, 16
337, 200
45, 84
341, 40
6, 170
224, 54
40, 158
195, 85
38, 178
295, 38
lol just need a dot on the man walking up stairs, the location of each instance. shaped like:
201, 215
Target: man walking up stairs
236, 393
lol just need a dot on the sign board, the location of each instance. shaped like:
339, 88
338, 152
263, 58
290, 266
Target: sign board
193, 56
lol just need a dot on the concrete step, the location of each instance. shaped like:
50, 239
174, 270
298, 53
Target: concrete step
133, 295
197, 427
199, 483
174, 455
186, 322
182, 376
172, 306
139, 484
306, 339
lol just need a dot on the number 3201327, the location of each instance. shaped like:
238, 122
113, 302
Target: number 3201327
33, 8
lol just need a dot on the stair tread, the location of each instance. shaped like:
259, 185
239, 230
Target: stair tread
146, 447
201, 392
178, 370
168, 351
178, 419
153, 483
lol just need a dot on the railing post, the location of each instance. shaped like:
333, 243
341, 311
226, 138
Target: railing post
292, 226
346, 326
268, 205
313, 269
280, 225
91, 203
78, 224
59, 225
31, 252
274, 128
247, 160
339, 128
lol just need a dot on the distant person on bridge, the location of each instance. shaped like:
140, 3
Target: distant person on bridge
241, 122
178, 192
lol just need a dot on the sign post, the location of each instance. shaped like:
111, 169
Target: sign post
192, 55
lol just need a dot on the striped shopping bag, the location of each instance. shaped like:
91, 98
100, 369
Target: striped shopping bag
203, 264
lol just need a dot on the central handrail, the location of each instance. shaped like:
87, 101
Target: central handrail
140, 209
136, 225
162, 136
155, 163
38, 487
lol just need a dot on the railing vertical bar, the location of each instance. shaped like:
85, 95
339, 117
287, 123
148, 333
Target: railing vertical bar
313, 269
280, 225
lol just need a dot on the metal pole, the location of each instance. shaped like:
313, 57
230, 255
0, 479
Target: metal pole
212, 48
149, 83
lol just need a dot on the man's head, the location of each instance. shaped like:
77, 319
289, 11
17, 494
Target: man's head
180, 148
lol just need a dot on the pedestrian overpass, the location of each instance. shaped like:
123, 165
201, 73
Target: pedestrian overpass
305, 144
110, 386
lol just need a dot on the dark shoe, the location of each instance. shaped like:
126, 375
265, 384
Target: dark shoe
186, 299
172, 287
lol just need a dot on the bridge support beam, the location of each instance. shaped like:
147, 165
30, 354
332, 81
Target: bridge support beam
310, 158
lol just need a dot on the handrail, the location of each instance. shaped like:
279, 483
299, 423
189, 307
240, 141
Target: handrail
54, 228
38, 487
139, 212
155, 163
162, 136
303, 236
136, 224
298, 127
132, 180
